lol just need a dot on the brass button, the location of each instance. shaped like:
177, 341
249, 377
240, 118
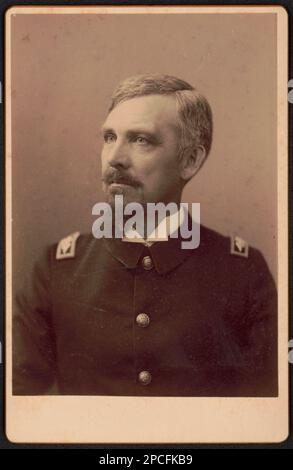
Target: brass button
144, 377
147, 263
143, 320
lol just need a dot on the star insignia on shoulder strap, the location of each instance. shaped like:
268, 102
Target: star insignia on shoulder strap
66, 247
239, 247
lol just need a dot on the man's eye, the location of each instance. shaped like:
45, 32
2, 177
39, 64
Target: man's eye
109, 138
141, 140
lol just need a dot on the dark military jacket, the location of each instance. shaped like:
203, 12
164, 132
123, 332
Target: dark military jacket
118, 318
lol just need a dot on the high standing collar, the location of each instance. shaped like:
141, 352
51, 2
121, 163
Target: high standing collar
165, 255
127, 253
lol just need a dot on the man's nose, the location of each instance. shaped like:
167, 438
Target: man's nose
119, 156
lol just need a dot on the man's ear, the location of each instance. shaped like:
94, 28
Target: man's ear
191, 162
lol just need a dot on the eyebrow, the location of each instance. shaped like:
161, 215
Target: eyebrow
106, 130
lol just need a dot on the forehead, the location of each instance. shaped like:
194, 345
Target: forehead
153, 112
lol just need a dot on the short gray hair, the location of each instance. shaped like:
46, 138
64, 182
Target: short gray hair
194, 111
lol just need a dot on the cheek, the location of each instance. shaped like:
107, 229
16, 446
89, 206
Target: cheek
143, 165
157, 178
156, 168
165, 166
103, 158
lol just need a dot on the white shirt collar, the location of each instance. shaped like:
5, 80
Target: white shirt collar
165, 228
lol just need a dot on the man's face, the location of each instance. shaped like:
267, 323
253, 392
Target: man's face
140, 157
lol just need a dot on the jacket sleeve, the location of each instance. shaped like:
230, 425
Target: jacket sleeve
262, 327
34, 361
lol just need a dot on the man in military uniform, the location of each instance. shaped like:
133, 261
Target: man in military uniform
112, 317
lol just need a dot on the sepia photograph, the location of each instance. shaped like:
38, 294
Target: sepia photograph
146, 224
